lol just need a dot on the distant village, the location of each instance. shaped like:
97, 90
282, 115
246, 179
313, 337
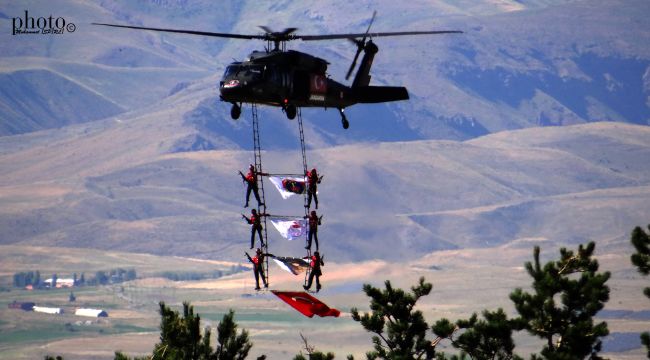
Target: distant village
31, 280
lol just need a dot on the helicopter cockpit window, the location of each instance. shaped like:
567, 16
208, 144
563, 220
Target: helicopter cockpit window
231, 70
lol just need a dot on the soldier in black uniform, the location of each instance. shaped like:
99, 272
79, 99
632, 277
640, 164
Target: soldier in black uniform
316, 263
314, 221
258, 267
312, 186
256, 226
251, 181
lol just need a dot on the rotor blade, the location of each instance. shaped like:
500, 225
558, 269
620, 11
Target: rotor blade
354, 62
288, 31
266, 29
191, 32
360, 45
352, 36
374, 13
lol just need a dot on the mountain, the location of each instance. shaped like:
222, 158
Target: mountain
519, 64
141, 155
118, 185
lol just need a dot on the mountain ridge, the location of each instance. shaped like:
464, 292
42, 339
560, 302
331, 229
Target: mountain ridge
415, 195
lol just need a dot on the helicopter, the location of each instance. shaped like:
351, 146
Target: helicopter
290, 79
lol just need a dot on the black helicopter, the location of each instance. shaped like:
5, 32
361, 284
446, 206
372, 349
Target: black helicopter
291, 79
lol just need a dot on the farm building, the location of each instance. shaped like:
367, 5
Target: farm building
91, 312
27, 306
48, 310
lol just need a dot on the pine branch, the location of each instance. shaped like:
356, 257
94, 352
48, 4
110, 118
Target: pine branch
309, 349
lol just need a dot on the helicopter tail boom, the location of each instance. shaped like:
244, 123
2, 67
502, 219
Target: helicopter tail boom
362, 78
379, 94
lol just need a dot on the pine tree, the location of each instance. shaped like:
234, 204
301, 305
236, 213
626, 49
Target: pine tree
19, 280
231, 345
101, 278
181, 338
641, 259
567, 295
314, 354
400, 330
487, 338
130, 274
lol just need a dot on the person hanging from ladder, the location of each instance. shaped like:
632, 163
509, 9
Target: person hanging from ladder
256, 226
314, 222
251, 181
258, 267
312, 186
316, 263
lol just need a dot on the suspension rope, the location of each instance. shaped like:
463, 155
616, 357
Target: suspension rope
304, 171
261, 208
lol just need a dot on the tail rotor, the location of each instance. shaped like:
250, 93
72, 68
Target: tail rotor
360, 46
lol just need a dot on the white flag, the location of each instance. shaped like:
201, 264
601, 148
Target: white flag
288, 186
291, 264
291, 229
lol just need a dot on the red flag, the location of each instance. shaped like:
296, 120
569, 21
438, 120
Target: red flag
306, 304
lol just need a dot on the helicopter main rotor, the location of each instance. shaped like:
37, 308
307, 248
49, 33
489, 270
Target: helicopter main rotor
280, 37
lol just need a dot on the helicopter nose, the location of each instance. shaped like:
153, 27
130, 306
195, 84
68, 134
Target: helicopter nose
230, 89
230, 84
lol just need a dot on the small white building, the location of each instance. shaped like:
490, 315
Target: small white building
60, 283
91, 312
48, 310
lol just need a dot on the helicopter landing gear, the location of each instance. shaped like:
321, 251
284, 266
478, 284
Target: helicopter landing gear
235, 111
290, 110
344, 119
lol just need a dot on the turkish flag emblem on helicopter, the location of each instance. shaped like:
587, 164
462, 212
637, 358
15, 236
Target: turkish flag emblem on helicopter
318, 84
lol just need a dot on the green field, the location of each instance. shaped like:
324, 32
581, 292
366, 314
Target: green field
483, 280
132, 306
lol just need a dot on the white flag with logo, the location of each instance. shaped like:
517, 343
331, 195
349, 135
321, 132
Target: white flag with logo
288, 186
291, 229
